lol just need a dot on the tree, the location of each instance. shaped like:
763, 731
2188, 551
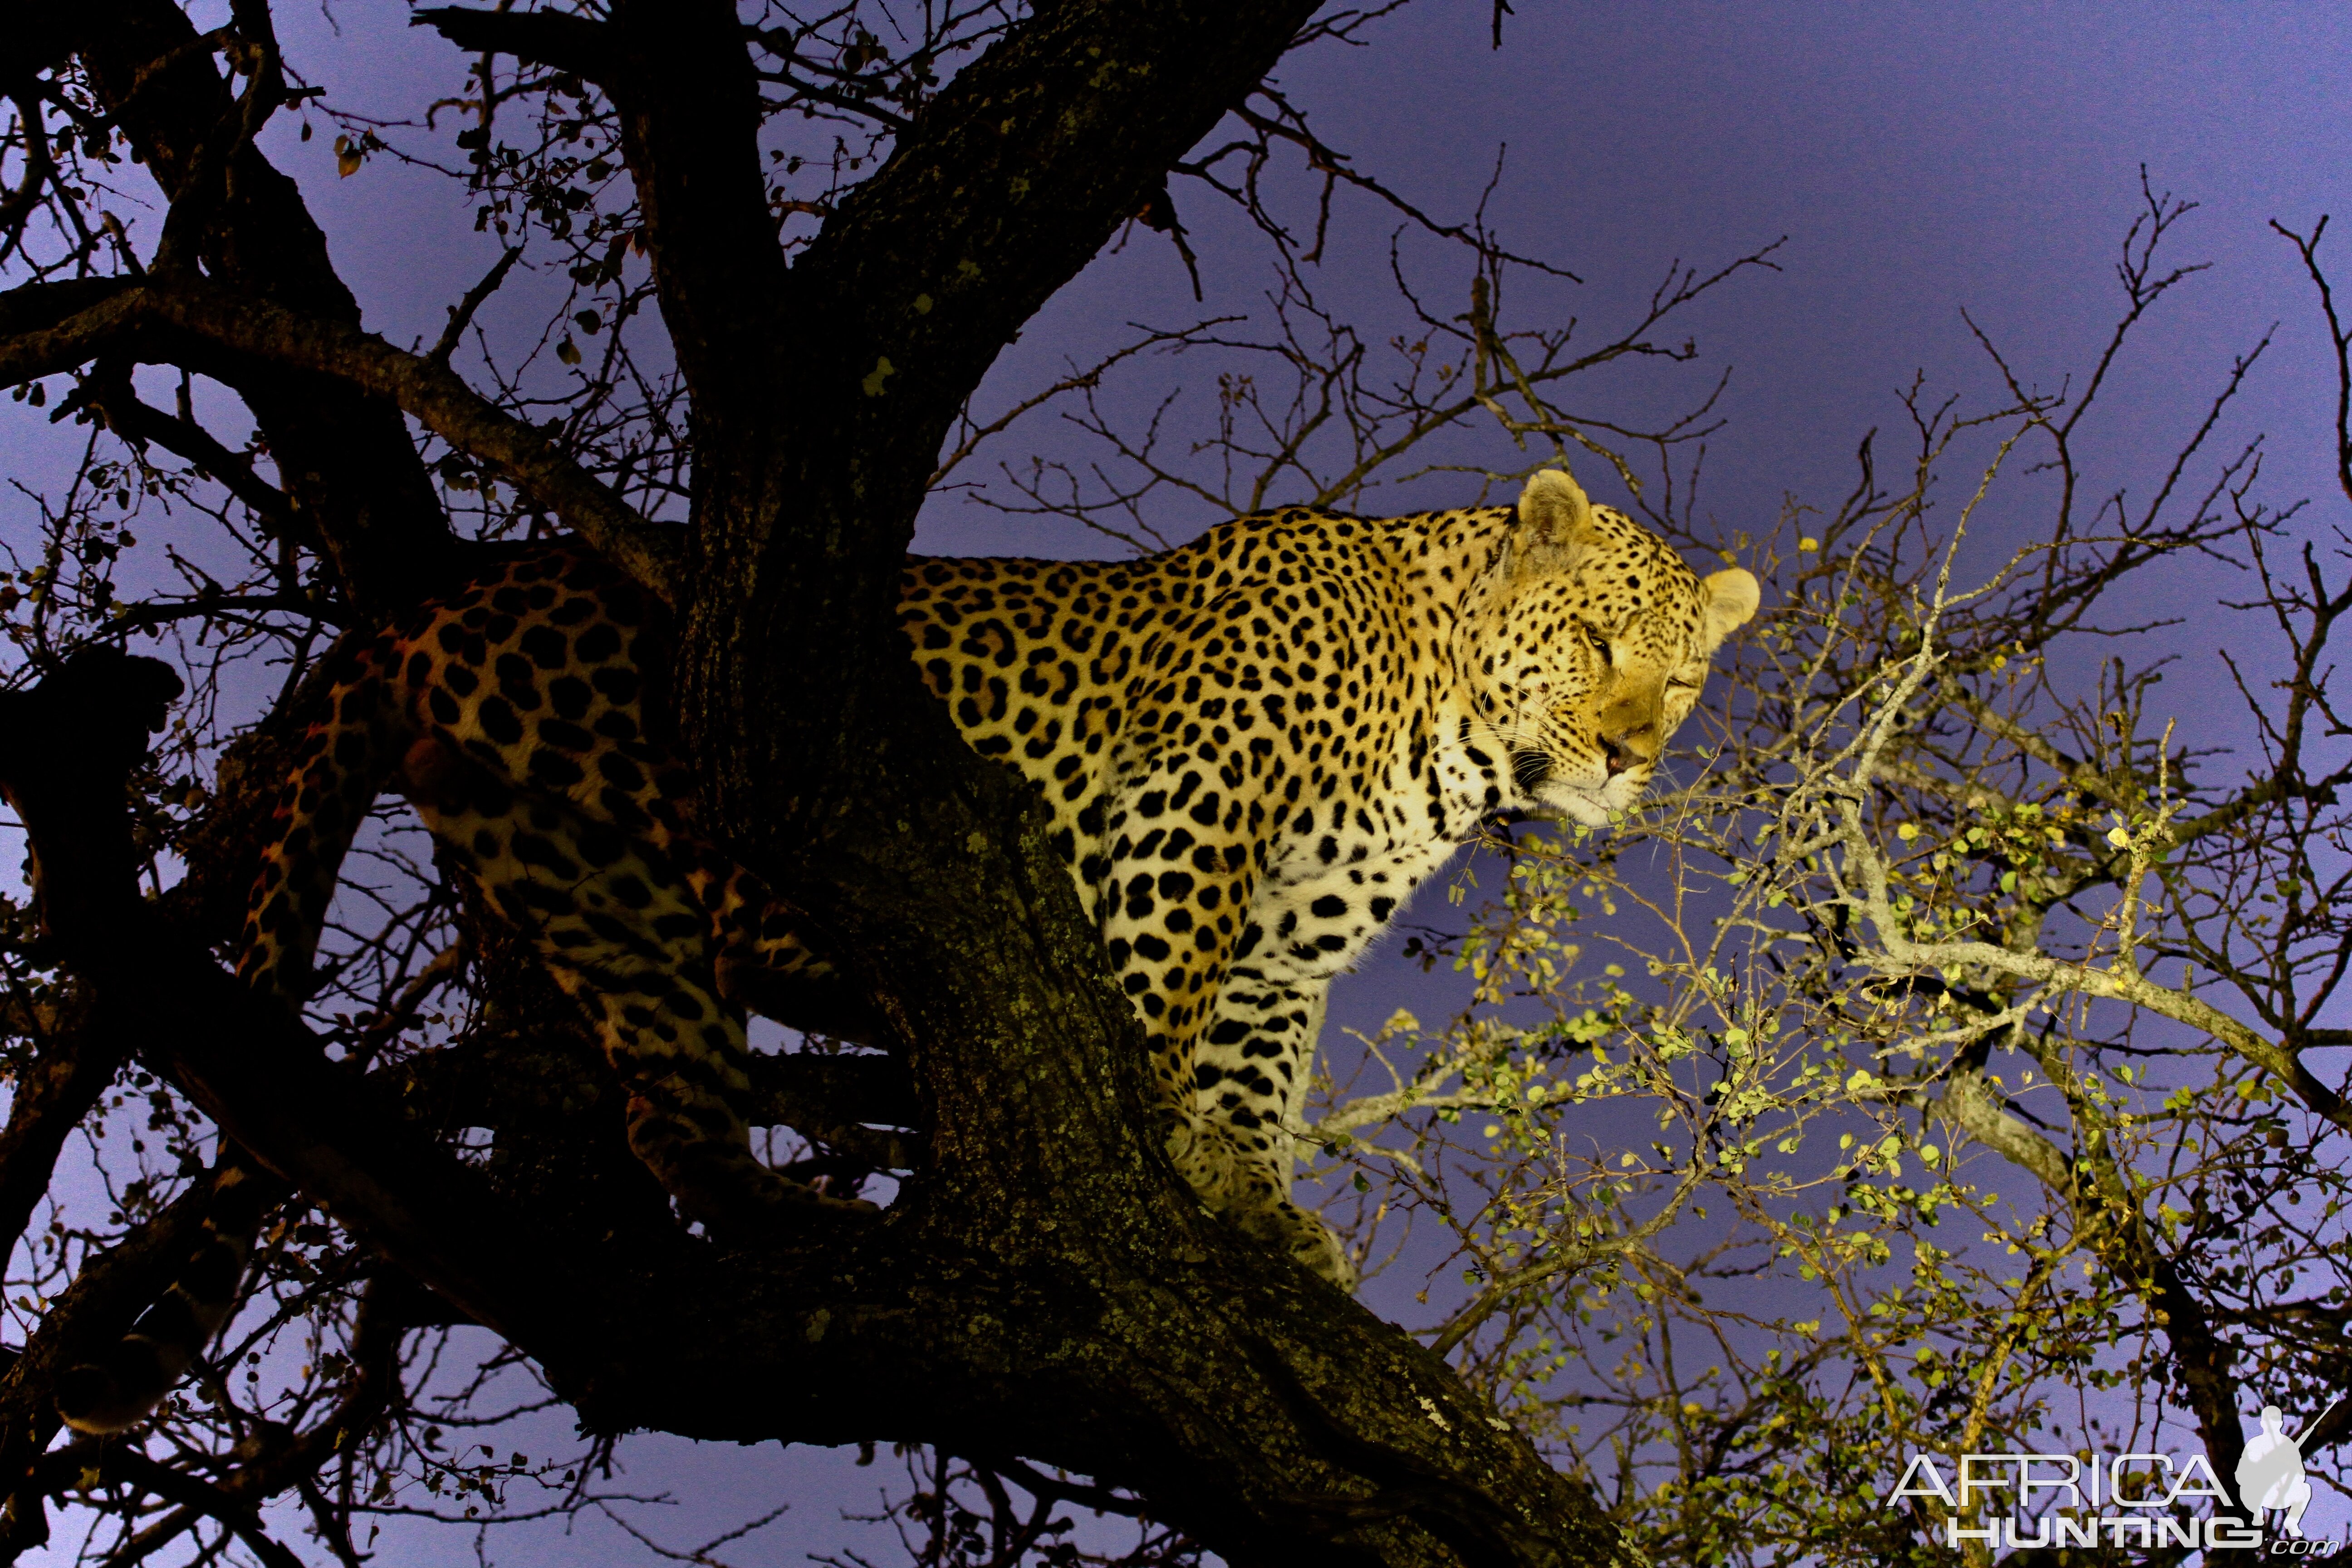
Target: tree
1942, 1161
1054, 1299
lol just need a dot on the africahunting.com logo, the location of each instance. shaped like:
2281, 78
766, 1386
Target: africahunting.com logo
2055, 1500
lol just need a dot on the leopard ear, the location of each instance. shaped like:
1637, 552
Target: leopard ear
1731, 598
1555, 524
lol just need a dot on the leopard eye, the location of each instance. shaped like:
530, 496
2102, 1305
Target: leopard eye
1598, 641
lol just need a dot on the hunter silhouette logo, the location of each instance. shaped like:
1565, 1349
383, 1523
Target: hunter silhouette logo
2131, 1499
2270, 1478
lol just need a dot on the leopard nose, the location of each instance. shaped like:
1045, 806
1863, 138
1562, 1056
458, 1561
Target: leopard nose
1630, 749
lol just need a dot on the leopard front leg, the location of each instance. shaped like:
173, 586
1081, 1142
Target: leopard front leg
1174, 895
1309, 922
1170, 910
1251, 1067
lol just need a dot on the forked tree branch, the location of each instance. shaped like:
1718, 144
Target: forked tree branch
182, 321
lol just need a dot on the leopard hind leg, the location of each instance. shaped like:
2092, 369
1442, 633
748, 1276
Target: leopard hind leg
765, 965
625, 933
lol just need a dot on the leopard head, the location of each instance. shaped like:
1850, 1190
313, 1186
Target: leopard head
1586, 643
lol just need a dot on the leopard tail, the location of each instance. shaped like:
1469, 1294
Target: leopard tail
344, 762
135, 1372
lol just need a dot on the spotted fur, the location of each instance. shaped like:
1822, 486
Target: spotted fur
1254, 747
1257, 745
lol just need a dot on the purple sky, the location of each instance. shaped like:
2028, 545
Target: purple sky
1921, 157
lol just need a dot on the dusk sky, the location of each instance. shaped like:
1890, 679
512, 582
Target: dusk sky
1921, 158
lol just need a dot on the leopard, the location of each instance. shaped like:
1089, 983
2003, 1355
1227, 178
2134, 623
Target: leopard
1253, 748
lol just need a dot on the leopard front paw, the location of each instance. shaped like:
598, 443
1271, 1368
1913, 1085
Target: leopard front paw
1240, 1189
1305, 1237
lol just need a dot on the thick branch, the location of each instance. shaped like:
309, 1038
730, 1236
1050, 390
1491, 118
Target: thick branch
163, 319
345, 458
571, 44
1975, 1105
114, 396
36, 307
70, 1069
690, 111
